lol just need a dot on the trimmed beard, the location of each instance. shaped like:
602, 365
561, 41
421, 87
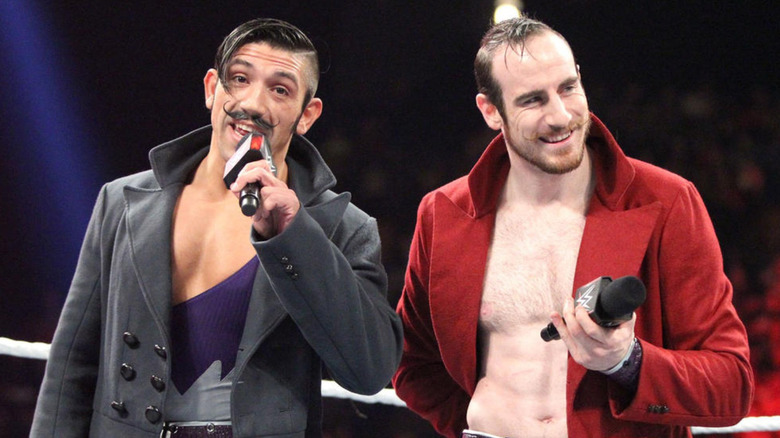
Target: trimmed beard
528, 151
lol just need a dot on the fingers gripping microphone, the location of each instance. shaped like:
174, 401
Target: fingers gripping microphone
252, 147
609, 303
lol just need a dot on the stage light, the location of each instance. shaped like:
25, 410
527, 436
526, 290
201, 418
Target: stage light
506, 9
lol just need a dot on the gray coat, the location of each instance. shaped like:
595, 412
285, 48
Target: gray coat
319, 297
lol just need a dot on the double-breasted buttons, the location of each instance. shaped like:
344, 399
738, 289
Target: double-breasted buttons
160, 351
157, 383
127, 372
130, 339
284, 259
153, 414
119, 407
657, 409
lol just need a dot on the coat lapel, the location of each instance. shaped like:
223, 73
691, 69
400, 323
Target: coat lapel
614, 244
456, 277
149, 214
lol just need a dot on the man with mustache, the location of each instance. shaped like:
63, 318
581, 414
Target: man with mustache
187, 318
552, 204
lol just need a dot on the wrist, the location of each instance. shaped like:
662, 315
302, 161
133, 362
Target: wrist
626, 372
624, 361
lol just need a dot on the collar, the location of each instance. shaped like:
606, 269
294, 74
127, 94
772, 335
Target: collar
174, 162
613, 170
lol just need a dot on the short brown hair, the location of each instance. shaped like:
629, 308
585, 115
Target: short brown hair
512, 33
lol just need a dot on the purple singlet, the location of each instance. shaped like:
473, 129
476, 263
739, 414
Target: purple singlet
208, 327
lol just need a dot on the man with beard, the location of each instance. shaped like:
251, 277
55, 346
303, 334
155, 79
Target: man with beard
187, 318
552, 204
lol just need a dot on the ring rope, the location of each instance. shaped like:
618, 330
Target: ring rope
748, 424
40, 350
30, 350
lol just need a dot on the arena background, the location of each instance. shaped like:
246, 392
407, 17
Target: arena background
89, 87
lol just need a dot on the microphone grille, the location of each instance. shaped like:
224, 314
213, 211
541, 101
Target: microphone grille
622, 296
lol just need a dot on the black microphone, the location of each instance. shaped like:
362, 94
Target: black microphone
252, 147
609, 303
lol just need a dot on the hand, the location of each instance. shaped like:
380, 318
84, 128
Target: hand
278, 203
591, 345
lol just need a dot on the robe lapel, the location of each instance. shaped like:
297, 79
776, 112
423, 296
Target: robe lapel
457, 272
614, 244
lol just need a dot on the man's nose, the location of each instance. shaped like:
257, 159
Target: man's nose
255, 102
556, 113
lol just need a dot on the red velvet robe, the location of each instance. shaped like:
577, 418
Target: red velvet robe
641, 221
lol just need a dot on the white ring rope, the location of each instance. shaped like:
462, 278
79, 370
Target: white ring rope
749, 424
385, 396
30, 350
40, 350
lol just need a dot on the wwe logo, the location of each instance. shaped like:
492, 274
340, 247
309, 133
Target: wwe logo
584, 299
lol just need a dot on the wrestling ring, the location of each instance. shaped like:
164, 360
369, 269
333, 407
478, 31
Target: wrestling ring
40, 350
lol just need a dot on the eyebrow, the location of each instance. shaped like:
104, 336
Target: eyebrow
279, 73
535, 93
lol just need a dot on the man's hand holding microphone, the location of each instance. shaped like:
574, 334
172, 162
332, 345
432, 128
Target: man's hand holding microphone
599, 330
252, 176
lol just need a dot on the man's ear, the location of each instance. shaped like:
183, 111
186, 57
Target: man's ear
310, 115
489, 112
210, 87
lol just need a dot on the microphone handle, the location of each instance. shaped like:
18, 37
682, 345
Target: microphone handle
249, 199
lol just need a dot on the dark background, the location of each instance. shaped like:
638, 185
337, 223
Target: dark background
89, 87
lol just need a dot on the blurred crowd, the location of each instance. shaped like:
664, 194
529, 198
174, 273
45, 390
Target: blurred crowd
726, 142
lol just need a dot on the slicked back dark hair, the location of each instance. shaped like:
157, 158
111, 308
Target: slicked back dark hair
277, 34
511, 34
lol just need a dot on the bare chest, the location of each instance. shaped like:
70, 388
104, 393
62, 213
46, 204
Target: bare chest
530, 268
209, 244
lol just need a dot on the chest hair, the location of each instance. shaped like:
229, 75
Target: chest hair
530, 266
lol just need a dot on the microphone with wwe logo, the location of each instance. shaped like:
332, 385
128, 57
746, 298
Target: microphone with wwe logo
609, 303
252, 147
